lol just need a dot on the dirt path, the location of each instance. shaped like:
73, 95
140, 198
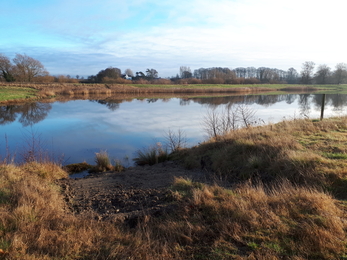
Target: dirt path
126, 195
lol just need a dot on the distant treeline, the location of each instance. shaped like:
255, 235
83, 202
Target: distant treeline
240, 75
26, 69
252, 75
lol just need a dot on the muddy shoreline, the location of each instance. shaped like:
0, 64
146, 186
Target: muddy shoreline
128, 195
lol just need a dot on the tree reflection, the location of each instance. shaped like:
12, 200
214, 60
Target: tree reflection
29, 113
152, 100
338, 101
290, 98
7, 114
184, 101
317, 101
33, 113
111, 104
305, 101
264, 100
304, 104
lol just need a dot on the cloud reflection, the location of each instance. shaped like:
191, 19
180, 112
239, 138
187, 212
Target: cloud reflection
80, 128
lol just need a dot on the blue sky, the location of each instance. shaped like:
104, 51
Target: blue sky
78, 37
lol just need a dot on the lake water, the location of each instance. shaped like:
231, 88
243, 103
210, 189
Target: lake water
73, 131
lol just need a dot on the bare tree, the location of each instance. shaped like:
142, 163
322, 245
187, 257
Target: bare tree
228, 120
175, 141
211, 123
340, 73
27, 68
322, 74
307, 72
246, 115
217, 124
251, 72
185, 72
6, 68
292, 76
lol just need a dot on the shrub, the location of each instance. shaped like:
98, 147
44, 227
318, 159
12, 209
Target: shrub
77, 167
118, 167
194, 81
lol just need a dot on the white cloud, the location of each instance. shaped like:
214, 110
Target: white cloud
199, 33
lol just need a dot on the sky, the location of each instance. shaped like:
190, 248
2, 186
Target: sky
75, 37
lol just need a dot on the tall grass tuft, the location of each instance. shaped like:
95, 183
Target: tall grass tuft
102, 161
151, 155
118, 167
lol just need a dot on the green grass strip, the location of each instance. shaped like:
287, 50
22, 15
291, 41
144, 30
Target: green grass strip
12, 93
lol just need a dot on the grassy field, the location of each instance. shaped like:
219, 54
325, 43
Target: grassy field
280, 193
13, 93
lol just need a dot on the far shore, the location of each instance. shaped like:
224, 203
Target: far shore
22, 92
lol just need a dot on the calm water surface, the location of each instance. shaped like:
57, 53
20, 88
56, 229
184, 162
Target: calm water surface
79, 129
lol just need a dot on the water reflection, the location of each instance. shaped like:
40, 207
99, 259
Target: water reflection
111, 104
80, 128
304, 101
29, 113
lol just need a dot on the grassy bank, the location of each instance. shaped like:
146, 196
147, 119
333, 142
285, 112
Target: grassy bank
280, 194
306, 152
17, 91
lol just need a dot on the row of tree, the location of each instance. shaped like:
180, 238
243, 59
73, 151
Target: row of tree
27, 69
323, 75
240, 75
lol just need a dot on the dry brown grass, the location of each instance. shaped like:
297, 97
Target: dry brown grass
251, 222
119, 88
209, 222
35, 223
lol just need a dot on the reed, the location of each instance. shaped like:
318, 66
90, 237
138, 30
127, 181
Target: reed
102, 161
151, 155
